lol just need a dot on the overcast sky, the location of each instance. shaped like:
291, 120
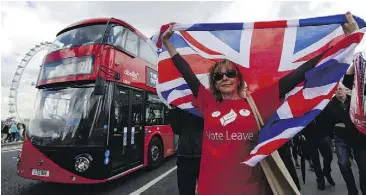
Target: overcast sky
24, 24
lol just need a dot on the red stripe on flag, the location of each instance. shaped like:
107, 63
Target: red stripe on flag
344, 43
182, 100
268, 148
197, 44
266, 47
168, 72
271, 24
163, 28
301, 84
306, 104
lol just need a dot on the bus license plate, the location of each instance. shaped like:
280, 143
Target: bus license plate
42, 173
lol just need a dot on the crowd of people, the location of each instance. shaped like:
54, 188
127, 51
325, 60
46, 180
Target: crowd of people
12, 132
210, 161
334, 123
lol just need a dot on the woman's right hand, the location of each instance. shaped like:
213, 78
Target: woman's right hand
166, 40
351, 25
168, 33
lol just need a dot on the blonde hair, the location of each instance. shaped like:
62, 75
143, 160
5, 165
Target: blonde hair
217, 66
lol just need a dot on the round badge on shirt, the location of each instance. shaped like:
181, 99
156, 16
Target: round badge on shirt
244, 112
216, 114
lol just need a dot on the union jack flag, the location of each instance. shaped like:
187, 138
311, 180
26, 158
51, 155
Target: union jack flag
266, 52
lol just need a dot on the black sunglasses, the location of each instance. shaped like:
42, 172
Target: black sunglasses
220, 75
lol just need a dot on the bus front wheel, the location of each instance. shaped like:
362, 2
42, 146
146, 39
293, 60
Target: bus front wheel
155, 152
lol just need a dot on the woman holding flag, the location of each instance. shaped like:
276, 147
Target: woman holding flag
231, 118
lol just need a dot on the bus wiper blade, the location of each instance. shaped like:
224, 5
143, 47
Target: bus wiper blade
81, 86
53, 88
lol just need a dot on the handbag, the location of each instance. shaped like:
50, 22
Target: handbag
277, 175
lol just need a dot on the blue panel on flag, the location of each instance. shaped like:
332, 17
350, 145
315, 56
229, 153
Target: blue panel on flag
177, 41
166, 93
231, 38
215, 26
278, 127
335, 19
325, 74
309, 35
318, 21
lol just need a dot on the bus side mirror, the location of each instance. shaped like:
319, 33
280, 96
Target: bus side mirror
99, 88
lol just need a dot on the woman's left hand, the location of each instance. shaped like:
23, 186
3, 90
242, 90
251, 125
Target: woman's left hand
351, 25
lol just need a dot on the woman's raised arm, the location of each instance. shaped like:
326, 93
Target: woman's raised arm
182, 66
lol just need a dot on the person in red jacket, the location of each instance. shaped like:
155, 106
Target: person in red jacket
230, 128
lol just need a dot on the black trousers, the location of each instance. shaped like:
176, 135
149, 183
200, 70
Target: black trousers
344, 151
285, 155
324, 146
187, 173
295, 149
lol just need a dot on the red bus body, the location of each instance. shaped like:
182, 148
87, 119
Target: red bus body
51, 158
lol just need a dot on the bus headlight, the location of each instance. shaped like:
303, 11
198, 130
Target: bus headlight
82, 163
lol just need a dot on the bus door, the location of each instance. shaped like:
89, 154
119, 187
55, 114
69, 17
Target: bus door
127, 136
136, 152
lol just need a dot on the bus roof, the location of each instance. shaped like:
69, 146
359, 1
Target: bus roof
103, 20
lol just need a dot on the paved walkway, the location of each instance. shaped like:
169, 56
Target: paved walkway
310, 187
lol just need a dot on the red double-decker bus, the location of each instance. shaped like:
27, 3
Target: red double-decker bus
97, 116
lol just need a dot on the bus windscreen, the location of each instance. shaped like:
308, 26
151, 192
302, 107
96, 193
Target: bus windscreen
67, 116
79, 36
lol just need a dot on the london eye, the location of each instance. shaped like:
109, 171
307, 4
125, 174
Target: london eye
13, 95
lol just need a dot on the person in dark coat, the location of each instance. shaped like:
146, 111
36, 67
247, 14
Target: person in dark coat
348, 139
317, 134
190, 130
5, 131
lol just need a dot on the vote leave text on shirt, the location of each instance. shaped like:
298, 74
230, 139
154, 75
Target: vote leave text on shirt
239, 136
230, 133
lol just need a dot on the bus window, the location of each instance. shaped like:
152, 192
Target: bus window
166, 112
56, 106
78, 36
120, 108
154, 110
117, 36
137, 107
132, 43
147, 53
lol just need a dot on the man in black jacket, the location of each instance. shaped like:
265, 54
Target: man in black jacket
348, 138
190, 130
